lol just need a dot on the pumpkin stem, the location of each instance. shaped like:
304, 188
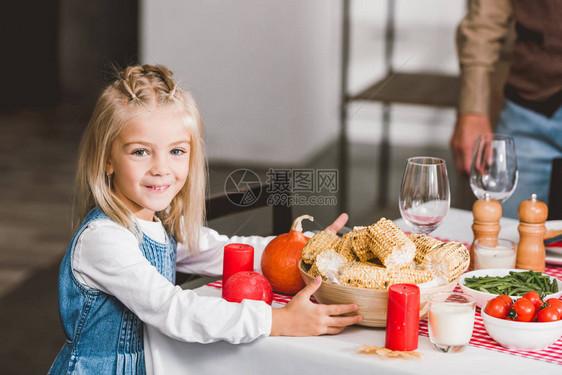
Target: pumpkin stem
297, 224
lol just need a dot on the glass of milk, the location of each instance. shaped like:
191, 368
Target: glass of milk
494, 253
451, 320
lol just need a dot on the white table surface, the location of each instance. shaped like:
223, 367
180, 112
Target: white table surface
325, 355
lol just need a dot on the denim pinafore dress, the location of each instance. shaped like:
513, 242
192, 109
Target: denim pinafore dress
102, 335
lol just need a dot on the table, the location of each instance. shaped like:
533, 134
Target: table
337, 354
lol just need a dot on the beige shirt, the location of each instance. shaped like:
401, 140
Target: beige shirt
535, 73
480, 36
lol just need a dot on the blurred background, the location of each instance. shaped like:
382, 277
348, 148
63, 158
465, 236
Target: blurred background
268, 76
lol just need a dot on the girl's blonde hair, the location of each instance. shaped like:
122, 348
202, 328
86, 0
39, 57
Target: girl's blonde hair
136, 90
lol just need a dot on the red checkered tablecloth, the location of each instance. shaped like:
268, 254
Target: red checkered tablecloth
480, 337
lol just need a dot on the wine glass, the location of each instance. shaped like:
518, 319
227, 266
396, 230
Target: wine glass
493, 173
424, 194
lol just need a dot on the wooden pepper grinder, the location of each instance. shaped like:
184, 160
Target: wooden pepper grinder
487, 214
530, 251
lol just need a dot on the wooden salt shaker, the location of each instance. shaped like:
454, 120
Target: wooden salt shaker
487, 214
530, 251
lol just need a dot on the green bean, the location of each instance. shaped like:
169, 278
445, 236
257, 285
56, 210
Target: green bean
516, 283
534, 275
545, 284
553, 286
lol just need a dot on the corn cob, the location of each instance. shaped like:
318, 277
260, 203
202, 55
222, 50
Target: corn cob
363, 275
328, 262
361, 244
447, 261
390, 245
318, 242
344, 247
313, 271
408, 275
424, 245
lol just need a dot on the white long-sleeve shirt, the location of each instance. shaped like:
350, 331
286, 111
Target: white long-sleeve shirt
107, 258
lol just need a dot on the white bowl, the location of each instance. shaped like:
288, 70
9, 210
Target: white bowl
482, 297
522, 335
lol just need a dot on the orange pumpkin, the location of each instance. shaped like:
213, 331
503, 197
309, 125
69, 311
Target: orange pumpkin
280, 259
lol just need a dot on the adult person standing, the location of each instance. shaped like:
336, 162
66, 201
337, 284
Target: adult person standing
532, 112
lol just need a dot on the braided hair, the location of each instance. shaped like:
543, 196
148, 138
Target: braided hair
135, 90
147, 82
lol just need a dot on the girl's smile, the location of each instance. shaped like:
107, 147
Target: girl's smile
149, 161
158, 188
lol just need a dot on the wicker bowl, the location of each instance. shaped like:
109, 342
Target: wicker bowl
372, 302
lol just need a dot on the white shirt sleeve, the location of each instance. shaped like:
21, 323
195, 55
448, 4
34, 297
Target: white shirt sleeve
211, 244
107, 257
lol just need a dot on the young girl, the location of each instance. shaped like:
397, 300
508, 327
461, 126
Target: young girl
140, 198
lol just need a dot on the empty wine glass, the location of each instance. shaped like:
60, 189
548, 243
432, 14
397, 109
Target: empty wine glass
494, 167
424, 194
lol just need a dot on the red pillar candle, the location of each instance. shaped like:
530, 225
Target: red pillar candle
403, 317
237, 257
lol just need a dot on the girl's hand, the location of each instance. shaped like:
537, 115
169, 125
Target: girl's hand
338, 224
301, 317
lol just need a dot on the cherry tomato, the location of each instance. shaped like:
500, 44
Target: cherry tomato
522, 310
535, 298
556, 303
507, 299
497, 307
548, 314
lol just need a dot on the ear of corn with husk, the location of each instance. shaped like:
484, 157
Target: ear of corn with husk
424, 245
390, 245
344, 247
409, 275
361, 244
369, 275
447, 261
318, 242
363, 275
328, 263
381, 255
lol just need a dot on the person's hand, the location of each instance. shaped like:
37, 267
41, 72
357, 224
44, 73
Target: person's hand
301, 317
338, 224
463, 141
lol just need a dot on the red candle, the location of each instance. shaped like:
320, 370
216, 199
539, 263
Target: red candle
237, 257
403, 317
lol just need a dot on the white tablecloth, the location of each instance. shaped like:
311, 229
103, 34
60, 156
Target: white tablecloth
325, 355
